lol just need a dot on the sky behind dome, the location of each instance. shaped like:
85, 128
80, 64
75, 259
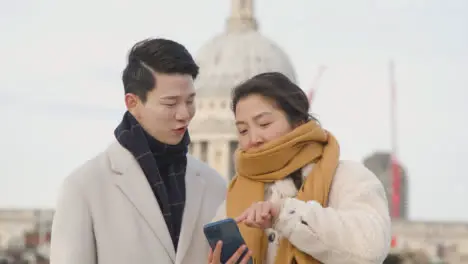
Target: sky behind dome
62, 97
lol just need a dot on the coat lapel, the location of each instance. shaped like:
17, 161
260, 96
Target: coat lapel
131, 180
195, 189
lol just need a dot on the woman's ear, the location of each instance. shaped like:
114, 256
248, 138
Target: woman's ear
298, 124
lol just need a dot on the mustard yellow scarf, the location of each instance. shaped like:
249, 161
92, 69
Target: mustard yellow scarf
273, 161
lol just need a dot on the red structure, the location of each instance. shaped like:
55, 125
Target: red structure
34, 239
396, 192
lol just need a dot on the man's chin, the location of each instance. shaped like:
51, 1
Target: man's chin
174, 140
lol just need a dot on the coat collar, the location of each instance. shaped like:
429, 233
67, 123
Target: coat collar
131, 180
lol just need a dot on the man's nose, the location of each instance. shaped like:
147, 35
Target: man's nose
183, 113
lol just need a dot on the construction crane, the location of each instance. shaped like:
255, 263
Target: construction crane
312, 93
395, 168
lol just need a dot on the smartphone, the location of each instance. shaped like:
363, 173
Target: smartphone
228, 232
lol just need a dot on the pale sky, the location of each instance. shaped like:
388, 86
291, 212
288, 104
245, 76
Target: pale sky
62, 97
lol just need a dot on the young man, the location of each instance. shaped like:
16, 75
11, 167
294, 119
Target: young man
144, 199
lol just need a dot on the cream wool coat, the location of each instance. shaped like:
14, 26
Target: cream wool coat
107, 214
355, 228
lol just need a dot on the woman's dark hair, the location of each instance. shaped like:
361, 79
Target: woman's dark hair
277, 87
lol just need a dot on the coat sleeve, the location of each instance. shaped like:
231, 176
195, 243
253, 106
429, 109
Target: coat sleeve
72, 240
354, 229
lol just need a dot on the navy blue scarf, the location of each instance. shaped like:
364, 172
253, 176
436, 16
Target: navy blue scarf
163, 165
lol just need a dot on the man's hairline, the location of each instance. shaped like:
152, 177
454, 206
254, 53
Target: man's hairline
155, 73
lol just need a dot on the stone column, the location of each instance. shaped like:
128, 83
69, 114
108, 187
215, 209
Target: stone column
218, 156
196, 149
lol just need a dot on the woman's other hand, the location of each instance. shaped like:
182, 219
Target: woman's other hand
214, 256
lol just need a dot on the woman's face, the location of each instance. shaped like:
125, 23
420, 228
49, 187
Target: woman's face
258, 121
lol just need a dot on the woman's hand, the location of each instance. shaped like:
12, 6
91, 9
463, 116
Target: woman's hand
259, 215
214, 256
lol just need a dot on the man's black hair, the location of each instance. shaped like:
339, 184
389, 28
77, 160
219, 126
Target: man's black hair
155, 55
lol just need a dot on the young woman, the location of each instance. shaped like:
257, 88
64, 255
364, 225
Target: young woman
294, 199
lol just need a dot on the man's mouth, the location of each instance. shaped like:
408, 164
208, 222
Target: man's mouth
180, 130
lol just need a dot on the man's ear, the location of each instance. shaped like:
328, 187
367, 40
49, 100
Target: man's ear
132, 101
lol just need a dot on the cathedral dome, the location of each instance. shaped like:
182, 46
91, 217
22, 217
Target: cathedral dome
238, 54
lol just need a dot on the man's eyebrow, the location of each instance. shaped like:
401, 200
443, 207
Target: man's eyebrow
170, 97
175, 97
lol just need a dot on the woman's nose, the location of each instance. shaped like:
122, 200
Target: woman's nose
256, 139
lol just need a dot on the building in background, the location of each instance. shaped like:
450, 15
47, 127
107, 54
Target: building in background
235, 55
380, 164
25, 235
443, 242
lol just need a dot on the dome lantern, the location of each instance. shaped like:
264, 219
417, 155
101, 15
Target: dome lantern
242, 17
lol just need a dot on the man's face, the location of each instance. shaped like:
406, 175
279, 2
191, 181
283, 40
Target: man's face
168, 109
